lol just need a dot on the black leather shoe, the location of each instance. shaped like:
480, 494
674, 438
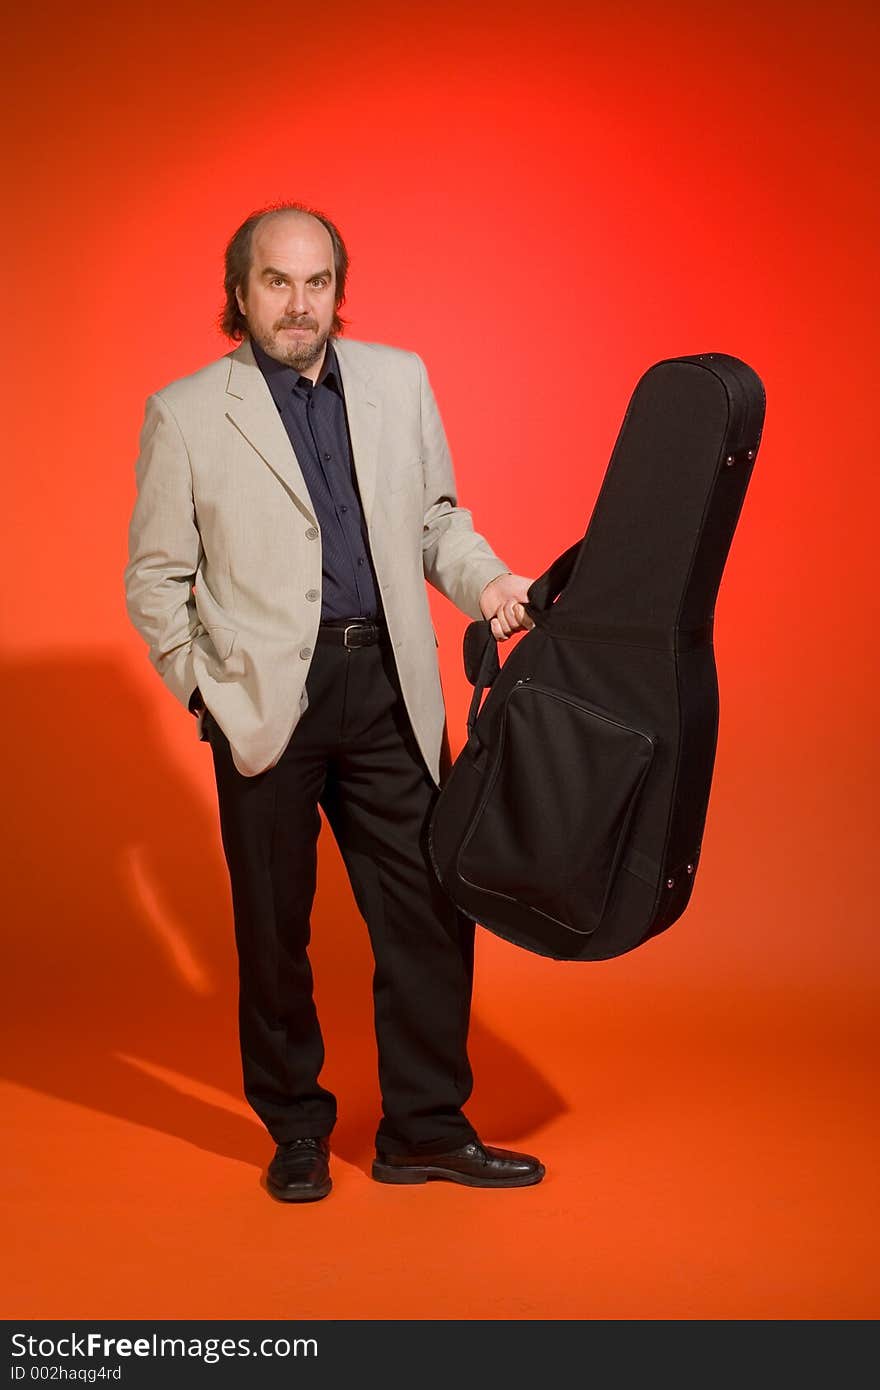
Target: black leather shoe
475, 1165
300, 1171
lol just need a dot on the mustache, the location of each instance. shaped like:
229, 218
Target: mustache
304, 322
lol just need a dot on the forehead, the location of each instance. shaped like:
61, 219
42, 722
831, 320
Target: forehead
292, 241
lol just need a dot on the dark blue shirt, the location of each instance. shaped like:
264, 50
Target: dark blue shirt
317, 426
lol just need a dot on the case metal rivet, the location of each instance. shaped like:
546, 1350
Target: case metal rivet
750, 454
690, 868
670, 883
730, 460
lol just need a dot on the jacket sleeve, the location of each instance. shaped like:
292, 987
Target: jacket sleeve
165, 550
457, 559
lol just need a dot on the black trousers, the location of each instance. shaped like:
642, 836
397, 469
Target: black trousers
353, 753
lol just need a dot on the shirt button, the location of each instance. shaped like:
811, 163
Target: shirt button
361, 560
312, 594
305, 653
343, 509
312, 533
327, 458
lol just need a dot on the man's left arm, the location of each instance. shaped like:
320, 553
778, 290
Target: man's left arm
457, 559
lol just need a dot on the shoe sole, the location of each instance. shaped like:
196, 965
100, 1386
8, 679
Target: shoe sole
313, 1194
386, 1172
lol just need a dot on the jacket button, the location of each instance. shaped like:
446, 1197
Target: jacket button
312, 594
305, 653
312, 533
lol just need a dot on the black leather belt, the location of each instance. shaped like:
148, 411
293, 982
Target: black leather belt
352, 632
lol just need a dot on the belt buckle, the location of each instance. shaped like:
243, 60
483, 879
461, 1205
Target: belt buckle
352, 627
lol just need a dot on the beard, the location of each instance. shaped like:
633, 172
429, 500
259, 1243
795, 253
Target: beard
300, 354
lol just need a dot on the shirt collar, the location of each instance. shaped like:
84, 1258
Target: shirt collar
282, 379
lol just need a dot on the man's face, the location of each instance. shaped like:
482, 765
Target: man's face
290, 298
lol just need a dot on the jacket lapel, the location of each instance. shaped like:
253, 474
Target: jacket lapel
254, 414
364, 412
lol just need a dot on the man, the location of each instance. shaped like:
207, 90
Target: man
292, 499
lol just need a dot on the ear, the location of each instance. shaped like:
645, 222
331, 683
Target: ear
239, 298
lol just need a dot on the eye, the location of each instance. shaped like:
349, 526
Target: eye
276, 280
320, 281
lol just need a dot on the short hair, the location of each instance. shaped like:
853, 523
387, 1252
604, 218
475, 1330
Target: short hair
239, 255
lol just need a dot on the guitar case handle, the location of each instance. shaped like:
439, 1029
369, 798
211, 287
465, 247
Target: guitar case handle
480, 649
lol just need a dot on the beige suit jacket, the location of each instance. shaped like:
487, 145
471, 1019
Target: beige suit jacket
223, 580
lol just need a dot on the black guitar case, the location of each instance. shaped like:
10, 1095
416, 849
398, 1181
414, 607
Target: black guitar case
571, 821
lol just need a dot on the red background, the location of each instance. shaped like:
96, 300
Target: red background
541, 202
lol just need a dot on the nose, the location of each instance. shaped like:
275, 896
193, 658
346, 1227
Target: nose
296, 302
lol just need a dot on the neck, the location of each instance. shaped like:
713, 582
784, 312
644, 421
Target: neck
314, 370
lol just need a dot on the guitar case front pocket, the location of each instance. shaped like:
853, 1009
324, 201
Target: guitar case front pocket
551, 824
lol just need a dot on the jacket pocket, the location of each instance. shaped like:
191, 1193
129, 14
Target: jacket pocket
223, 640
551, 823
